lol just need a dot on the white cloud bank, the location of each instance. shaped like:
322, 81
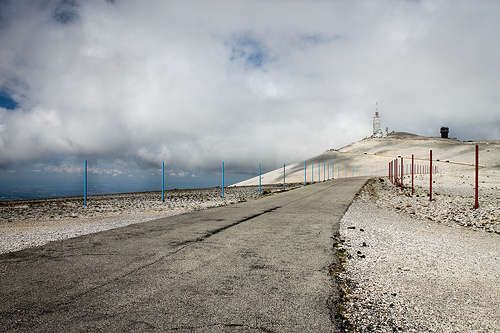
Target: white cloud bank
194, 83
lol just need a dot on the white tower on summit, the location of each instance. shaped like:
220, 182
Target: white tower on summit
377, 132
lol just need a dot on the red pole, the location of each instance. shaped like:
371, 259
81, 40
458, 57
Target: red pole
396, 172
402, 173
476, 205
395, 175
412, 166
393, 171
390, 174
430, 173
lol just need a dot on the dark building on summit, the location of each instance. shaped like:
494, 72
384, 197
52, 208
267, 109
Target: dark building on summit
444, 132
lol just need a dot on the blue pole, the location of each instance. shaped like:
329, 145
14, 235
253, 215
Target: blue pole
319, 173
324, 171
305, 172
223, 179
260, 183
85, 185
162, 181
312, 172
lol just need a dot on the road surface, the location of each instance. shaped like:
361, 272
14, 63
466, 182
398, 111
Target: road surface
258, 266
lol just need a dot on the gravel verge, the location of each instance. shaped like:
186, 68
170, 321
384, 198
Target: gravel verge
405, 268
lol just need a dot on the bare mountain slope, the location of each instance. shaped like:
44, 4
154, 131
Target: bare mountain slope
371, 157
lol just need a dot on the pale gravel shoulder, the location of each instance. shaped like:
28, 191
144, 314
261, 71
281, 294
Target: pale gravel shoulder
409, 272
27, 236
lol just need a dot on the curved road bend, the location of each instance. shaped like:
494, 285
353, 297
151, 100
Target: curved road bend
258, 266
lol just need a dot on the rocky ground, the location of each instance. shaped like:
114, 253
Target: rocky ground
453, 199
411, 265
31, 223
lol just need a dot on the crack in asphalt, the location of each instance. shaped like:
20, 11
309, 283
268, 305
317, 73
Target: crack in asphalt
181, 246
260, 328
216, 231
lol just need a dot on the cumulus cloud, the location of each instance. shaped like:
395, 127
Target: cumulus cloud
113, 172
194, 83
181, 174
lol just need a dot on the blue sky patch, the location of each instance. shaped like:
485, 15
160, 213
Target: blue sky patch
249, 50
6, 101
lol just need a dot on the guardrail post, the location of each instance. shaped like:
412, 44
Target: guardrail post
390, 172
412, 172
319, 173
396, 171
283, 176
260, 181
402, 173
223, 179
476, 204
430, 176
85, 184
305, 172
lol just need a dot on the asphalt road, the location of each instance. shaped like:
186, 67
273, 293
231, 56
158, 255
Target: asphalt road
258, 266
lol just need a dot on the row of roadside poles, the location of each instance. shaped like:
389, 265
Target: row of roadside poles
397, 172
326, 169
260, 179
163, 181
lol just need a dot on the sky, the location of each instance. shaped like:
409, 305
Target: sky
130, 84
